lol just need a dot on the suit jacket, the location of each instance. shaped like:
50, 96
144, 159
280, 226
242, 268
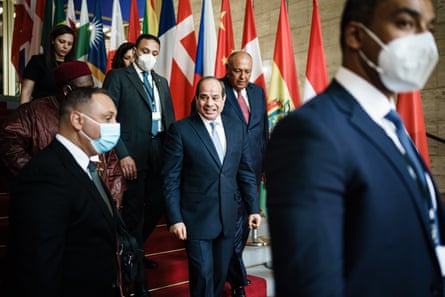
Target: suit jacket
346, 217
63, 237
134, 111
258, 127
198, 189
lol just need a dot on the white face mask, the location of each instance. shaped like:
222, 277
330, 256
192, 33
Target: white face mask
146, 62
405, 63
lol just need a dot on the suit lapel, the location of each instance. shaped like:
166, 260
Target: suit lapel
135, 80
377, 137
204, 136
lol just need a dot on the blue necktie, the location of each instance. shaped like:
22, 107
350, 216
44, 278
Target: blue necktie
217, 142
99, 186
151, 99
415, 162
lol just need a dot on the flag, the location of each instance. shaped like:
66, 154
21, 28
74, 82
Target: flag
83, 37
150, 24
183, 64
226, 44
134, 27
21, 38
118, 36
158, 7
71, 15
206, 51
409, 106
37, 27
251, 44
59, 12
167, 31
316, 74
97, 56
47, 21
284, 94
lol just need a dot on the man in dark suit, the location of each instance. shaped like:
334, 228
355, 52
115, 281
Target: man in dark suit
246, 102
202, 177
63, 231
353, 210
145, 111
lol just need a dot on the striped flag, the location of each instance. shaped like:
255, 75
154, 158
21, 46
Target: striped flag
59, 12
167, 31
134, 27
284, 94
21, 38
251, 44
183, 64
117, 29
150, 24
37, 28
206, 51
316, 74
83, 37
71, 15
97, 56
226, 44
409, 106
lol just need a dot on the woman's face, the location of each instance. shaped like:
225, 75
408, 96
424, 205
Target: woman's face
128, 58
63, 44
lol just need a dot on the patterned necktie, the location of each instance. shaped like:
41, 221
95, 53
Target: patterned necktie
151, 98
217, 142
99, 186
244, 108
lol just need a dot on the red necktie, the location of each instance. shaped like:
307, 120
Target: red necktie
243, 105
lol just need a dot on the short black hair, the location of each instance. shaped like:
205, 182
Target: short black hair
78, 98
357, 10
198, 86
149, 37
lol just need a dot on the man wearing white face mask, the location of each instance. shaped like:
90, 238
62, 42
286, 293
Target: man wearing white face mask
353, 210
145, 111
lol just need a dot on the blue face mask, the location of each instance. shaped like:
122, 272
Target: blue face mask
108, 138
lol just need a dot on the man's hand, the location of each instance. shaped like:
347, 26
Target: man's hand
129, 168
254, 221
179, 230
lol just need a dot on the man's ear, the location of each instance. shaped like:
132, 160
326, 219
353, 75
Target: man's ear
66, 89
353, 35
76, 120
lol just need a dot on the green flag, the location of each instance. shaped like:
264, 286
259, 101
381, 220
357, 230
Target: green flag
83, 37
47, 22
59, 12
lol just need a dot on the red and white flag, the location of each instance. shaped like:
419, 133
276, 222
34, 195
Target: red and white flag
251, 44
409, 106
226, 43
71, 15
117, 29
183, 65
37, 28
134, 26
316, 74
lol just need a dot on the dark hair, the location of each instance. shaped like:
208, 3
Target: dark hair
198, 86
149, 37
357, 10
77, 98
118, 59
49, 51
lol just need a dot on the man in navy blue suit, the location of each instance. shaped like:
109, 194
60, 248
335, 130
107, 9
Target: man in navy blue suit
246, 102
353, 210
205, 170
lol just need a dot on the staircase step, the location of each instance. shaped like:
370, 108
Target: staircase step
161, 240
172, 268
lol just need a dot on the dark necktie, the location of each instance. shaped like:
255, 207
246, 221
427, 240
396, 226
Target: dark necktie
151, 99
217, 142
413, 158
99, 186
244, 108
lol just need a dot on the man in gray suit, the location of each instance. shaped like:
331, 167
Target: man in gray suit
145, 111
